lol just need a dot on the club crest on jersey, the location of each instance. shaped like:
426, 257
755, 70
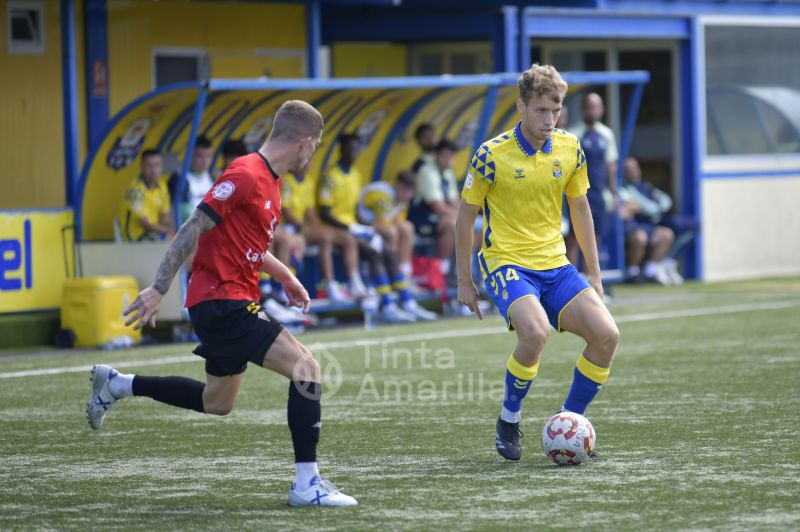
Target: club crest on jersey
557, 169
519, 173
223, 191
268, 204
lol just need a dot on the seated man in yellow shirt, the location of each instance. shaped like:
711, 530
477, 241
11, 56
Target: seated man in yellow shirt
337, 200
145, 213
384, 207
301, 225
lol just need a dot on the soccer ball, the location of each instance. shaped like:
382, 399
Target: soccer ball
568, 438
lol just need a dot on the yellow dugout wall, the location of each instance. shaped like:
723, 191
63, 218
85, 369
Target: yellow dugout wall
369, 60
240, 40
32, 116
236, 36
36, 257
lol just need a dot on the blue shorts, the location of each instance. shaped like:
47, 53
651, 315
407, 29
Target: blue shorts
555, 289
632, 225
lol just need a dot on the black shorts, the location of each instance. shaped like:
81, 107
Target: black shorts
232, 333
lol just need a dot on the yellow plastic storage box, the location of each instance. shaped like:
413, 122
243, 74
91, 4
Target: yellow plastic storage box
92, 310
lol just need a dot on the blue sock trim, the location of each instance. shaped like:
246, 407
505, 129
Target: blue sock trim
386, 299
581, 393
516, 390
405, 295
402, 291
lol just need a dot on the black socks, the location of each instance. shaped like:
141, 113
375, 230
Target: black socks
304, 414
175, 391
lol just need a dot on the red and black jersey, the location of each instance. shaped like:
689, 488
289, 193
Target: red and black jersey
245, 203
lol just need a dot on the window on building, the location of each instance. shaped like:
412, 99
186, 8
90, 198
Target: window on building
752, 90
451, 58
173, 66
25, 27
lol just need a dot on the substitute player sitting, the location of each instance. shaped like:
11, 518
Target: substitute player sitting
298, 204
519, 178
337, 201
145, 214
232, 228
383, 207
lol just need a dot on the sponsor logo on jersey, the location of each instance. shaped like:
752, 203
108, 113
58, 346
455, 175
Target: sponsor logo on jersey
519, 173
254, 257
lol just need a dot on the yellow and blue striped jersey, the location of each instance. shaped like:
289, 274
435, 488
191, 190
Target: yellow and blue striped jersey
296, 195
141, 201
520, 190
339, 190
378, 205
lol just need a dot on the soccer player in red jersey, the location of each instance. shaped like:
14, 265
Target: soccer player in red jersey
232, 228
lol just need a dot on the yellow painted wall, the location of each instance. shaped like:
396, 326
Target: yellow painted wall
358, 60
229, 32
31, 116
43, 251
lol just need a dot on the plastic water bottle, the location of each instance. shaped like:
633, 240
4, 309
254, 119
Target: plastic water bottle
118, 342
369, 306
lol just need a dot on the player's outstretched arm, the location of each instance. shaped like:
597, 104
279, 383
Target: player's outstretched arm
467, 291
145, 307
295, 291
583, 225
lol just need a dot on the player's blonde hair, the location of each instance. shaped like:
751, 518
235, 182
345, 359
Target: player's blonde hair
295, 120
542, 80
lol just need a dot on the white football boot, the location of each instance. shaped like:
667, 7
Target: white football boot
357, 289
420, 313
391, 313
335, 292
101, 400
320, 493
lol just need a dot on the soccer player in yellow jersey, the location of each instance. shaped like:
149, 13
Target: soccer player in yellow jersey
518, 179
145, 214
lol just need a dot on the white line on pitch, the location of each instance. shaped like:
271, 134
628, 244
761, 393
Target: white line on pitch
439, 335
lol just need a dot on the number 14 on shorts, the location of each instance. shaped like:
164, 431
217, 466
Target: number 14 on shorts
501, 277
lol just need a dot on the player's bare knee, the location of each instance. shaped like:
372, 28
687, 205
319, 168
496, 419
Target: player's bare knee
608, 339
532, 338
639, 238
306, 367
669, 235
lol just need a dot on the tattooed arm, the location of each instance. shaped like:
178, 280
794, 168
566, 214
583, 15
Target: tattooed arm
146, 305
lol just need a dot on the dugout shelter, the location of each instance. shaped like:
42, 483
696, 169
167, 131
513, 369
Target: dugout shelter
384, 112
